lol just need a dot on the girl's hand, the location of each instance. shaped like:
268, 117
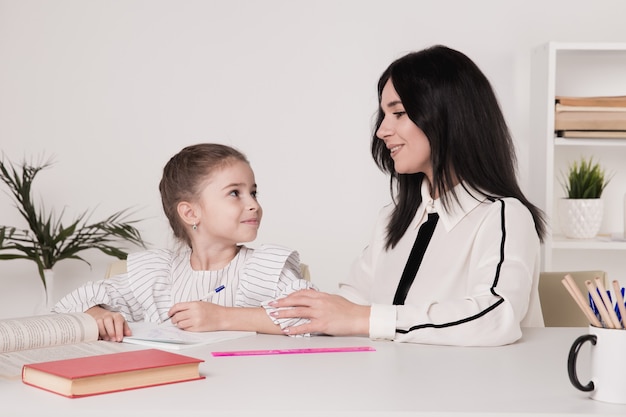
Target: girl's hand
198, 316
202, 316
328, 314
112, 326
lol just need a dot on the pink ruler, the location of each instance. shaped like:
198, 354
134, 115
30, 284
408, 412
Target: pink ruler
294, 351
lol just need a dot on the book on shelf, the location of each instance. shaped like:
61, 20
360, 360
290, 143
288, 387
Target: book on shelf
592, 134
589, 118
100, 374
600, 101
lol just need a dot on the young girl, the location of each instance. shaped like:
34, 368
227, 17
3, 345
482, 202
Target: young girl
455, 259
209, 196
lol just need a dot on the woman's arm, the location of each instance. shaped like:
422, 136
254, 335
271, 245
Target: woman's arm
493, 290
497, 279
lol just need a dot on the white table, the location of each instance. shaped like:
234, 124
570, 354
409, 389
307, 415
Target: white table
526, 378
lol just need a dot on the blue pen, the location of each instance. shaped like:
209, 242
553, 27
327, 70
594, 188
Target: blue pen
617, 306
218, 289
615, 309
594, 308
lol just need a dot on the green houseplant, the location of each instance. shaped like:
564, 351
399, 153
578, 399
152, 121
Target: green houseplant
47, 240
585, 179
580, 213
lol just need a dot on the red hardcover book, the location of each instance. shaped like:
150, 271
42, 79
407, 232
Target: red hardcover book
112, 372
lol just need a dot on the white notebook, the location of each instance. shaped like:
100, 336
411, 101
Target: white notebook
167, 336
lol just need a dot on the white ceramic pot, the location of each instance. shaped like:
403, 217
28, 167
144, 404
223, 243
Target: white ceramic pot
50, 300
580, 218
47, 299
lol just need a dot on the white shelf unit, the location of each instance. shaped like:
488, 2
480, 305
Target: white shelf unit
577, 69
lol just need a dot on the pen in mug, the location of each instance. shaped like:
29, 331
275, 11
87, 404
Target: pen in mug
616, 309
215, 291
621, 294
592, 304
604, 294
593, 290
620, 301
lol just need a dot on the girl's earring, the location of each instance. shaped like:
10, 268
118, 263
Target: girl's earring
194, 227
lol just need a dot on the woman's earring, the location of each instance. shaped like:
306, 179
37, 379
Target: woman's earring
194, 227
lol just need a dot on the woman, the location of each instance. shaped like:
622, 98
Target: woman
442, 138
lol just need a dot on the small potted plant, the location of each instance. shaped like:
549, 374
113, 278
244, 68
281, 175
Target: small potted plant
581, 211
47, 240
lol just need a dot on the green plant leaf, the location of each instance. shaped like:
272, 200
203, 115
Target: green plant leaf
48, 241
585, 179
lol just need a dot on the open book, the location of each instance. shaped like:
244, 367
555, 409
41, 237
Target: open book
49, 337
53, 337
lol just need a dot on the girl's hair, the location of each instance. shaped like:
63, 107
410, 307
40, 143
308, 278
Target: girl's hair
184, 175
447, 96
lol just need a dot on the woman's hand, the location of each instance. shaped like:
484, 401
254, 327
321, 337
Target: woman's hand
328, 314
112, 326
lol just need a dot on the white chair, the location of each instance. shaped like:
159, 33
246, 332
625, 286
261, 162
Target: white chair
558, 307
119, 267
116, 268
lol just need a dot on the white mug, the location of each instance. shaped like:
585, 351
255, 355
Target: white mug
608, 364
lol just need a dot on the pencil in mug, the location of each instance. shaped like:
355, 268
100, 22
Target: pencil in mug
607, 303
620, 301
604, 314
574, 291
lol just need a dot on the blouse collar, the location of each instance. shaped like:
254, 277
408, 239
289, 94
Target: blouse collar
468, 197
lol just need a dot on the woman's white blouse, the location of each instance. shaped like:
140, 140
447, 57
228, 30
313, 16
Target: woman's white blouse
157, 279
476, 286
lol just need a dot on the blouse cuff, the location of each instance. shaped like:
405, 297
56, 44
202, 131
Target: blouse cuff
382, 322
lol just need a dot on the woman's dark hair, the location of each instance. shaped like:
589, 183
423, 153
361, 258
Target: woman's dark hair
184, 175
447, 96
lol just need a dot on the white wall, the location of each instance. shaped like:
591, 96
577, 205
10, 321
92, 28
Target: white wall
111, 89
